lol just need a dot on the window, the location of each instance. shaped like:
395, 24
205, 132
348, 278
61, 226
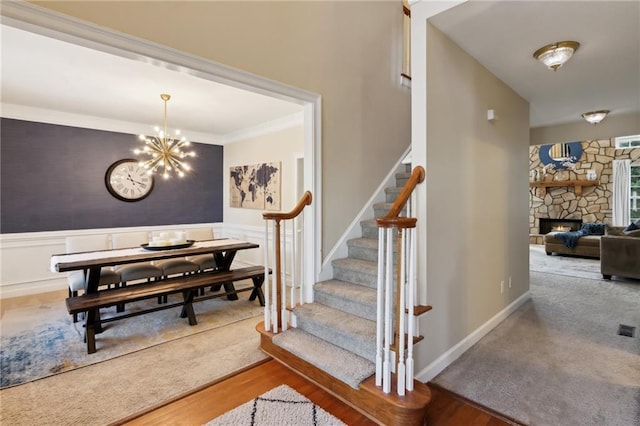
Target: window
628, 142
634, 184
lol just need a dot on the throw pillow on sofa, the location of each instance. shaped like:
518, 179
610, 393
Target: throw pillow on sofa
593, 228
633, 226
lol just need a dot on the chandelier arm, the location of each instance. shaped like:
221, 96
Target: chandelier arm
165, 150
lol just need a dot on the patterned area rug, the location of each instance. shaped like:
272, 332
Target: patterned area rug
279, 406
42, 341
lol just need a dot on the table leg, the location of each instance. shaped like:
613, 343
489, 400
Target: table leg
91, 286
187, 308
257, 289
223, 262
90, 330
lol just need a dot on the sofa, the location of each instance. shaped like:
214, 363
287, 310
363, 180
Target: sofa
620, 253
587, 246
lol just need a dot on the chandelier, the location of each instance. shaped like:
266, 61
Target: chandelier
165, 151
556, 54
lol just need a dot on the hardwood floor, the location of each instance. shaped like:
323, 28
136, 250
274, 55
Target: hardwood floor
198, 408
445, 408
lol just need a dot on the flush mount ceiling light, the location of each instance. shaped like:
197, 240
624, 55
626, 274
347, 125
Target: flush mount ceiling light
556, 54
164, 149
594, 117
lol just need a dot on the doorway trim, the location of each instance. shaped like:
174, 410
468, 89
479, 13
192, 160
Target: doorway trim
39, 20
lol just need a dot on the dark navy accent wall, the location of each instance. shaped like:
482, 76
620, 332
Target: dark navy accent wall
52, 178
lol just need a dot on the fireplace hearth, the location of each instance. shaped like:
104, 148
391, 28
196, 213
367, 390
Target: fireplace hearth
559, 225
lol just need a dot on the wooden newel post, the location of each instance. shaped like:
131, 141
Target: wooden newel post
305, 200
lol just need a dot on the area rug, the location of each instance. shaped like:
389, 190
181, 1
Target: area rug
41, 341
119, 388
558, 359
280, 406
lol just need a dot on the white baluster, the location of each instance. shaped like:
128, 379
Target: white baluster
294, 263
411, 305
386, 382
283, 291
401, 317
379, 311
301, 259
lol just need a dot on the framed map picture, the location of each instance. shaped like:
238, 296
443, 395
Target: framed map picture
255, 186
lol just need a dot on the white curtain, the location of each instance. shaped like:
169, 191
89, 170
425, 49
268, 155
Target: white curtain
621, 192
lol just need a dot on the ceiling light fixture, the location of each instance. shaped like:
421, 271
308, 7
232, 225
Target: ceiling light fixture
164, 149
555, 55
594, 117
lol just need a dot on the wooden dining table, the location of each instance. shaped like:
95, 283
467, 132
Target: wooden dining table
223, 250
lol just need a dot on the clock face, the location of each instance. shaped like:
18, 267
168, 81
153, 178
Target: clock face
127, 181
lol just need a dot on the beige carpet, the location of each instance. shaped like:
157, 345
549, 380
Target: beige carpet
103, 393
558, 359
571, 266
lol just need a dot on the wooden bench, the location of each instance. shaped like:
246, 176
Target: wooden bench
187, 285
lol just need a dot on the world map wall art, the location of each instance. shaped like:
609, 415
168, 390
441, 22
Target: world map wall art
255, 186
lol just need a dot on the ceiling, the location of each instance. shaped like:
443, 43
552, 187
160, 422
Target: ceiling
603, 74
41, 74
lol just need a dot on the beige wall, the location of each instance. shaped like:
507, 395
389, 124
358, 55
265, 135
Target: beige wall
612, 126
348, 52
477, 195
281, 146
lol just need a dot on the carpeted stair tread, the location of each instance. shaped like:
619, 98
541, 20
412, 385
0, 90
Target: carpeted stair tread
356, 271
348, 331
341, 364
348, 297
369, 243
392, 193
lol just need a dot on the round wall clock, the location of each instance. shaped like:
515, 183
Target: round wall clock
127, 181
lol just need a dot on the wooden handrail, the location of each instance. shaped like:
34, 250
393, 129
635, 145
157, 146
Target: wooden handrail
305, 200
390, 219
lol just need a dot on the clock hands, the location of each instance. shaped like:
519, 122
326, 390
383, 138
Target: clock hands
133, 181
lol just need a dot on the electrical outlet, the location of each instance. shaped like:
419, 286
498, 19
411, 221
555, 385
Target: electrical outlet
502, 286
509, 281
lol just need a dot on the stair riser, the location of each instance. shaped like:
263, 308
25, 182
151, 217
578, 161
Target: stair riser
371, 231
391, 194
353, 276
367, 254
353, 343
380, 211
363, 310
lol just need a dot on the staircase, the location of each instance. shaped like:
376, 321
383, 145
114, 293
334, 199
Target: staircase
332, 341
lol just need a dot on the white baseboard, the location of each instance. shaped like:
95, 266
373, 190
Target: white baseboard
436, 367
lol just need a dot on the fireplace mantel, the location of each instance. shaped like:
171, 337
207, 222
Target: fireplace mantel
577, 184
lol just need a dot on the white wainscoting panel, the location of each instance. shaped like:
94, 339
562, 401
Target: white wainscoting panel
25, 257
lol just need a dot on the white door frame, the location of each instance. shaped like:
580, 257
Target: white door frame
33, 18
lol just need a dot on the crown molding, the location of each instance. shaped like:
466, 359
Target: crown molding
293, 120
